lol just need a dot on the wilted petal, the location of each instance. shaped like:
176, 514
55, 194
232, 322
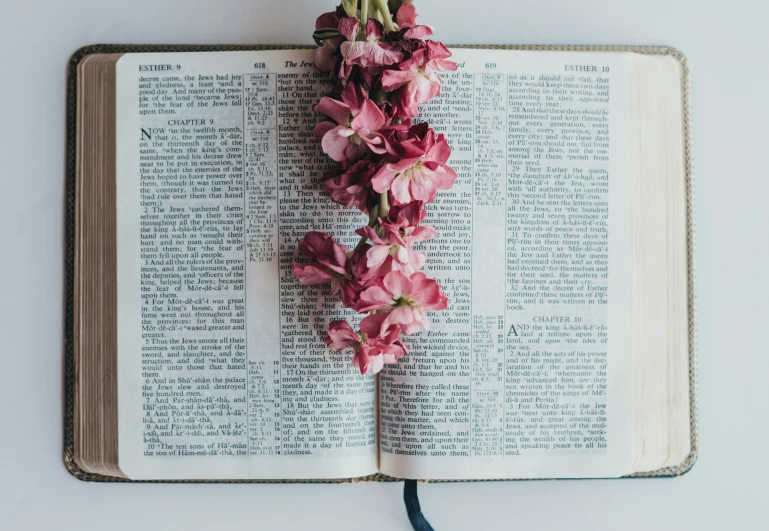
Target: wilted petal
335, 143
418, 32
375, 298
341, 335
355, 151
322, 128
381, 54
325, 56
371, 324
437, 50
374, 30
334, 109
394, 79
309, 274
369, 118
348, 27
327, 20
406, 16
352, 50
353, 95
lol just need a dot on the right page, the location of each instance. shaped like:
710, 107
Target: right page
527, 375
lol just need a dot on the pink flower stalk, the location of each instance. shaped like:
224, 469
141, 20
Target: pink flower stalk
390, 168
419, 176
407, 299
358, 120
416, 78
373, 347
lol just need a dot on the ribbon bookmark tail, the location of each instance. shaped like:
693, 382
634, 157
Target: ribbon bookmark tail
414, 511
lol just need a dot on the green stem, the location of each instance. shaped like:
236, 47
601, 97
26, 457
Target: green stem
384, 204
361, 242
381, 6
379, 96
363, 12
372, 222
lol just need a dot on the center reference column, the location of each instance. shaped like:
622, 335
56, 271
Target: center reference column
263, 335
488, 265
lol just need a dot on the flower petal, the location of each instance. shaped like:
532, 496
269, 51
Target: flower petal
341, 335
398, 284
309, 274
334, 109
369, 118
348, 26
335, 143
375, 298
377, 255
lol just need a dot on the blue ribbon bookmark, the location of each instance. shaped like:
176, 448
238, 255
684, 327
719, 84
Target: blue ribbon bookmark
414, 511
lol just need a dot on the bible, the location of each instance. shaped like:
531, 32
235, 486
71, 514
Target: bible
565, 248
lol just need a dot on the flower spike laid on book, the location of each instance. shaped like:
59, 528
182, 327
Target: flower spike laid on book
390, 167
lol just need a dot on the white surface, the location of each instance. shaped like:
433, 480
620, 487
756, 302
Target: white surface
726, 43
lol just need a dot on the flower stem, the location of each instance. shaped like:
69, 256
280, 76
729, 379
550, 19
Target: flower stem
381, 6
363, 12
373, 220
379, 96
384, 204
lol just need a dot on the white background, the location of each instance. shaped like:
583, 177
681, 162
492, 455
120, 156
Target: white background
727, 45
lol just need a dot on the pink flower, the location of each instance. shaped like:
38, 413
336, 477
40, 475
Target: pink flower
358, 120
406, 298
341, 335
406, 17
347, 272
353, 187
392, 242
358, 278
326, 57
402, 224
371, 52
373, 349
330, 260
416, 78
419, 175
328, 20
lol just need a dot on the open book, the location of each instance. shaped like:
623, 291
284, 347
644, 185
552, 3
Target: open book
565, 248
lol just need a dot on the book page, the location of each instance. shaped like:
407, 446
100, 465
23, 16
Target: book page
222, 370
527, 375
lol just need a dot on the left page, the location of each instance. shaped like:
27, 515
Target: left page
222, 370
